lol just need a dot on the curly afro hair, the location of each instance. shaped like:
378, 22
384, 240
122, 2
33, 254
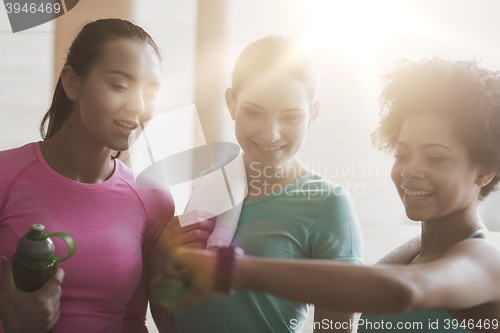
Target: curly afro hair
460, 90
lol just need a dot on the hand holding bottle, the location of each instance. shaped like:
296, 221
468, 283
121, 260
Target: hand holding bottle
34, 312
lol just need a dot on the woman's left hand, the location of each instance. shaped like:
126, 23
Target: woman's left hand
194, 235
174, 286
202, 264
171, 283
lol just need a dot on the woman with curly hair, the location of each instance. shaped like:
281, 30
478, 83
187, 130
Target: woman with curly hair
441, 119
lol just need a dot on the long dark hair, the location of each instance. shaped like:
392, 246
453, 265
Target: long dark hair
86, 50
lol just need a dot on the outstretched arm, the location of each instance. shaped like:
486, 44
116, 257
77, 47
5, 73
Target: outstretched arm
329, 285
382, 288
471, 266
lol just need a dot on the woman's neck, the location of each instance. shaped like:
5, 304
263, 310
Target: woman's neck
439, 235
265, 179
75, 155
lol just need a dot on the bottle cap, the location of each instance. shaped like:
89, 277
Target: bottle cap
39, 247
37, 229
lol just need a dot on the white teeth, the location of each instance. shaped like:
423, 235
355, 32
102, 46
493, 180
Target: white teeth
269, 148
124, 124
417, 193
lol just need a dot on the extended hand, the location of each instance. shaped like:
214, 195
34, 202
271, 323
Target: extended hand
202, 264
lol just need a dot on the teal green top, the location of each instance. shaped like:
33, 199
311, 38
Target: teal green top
310, 218
435, 321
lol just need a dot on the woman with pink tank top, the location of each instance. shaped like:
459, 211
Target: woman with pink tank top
71, 183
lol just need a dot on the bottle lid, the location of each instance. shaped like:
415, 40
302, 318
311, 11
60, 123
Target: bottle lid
37, 229
40, 246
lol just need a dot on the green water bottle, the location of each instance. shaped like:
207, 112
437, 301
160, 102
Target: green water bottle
34, 262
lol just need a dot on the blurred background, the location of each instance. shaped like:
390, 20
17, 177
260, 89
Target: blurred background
355, 42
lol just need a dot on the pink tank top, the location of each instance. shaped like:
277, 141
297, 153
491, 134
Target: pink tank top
113, 223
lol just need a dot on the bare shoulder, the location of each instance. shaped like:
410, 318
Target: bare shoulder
471, 266
480, 251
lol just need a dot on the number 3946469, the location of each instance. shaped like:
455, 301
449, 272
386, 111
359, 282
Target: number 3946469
27, 8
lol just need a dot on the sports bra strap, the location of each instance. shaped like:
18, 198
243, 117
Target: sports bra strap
477, 232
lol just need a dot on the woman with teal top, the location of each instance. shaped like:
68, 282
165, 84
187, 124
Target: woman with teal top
290, 212
441, 119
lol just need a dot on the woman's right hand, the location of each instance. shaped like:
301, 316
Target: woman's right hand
35, 312
193, 235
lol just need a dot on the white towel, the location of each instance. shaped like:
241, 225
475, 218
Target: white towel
219, 193
404, 253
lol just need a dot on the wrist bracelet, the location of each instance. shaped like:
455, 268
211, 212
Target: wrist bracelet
225, 266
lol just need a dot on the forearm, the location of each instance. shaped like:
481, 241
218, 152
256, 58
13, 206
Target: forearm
329, 285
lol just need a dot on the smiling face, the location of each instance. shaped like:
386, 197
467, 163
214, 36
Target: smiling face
119, 93
272, 114
432, 172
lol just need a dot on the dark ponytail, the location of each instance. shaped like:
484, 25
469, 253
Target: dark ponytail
58, 112
86, 50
